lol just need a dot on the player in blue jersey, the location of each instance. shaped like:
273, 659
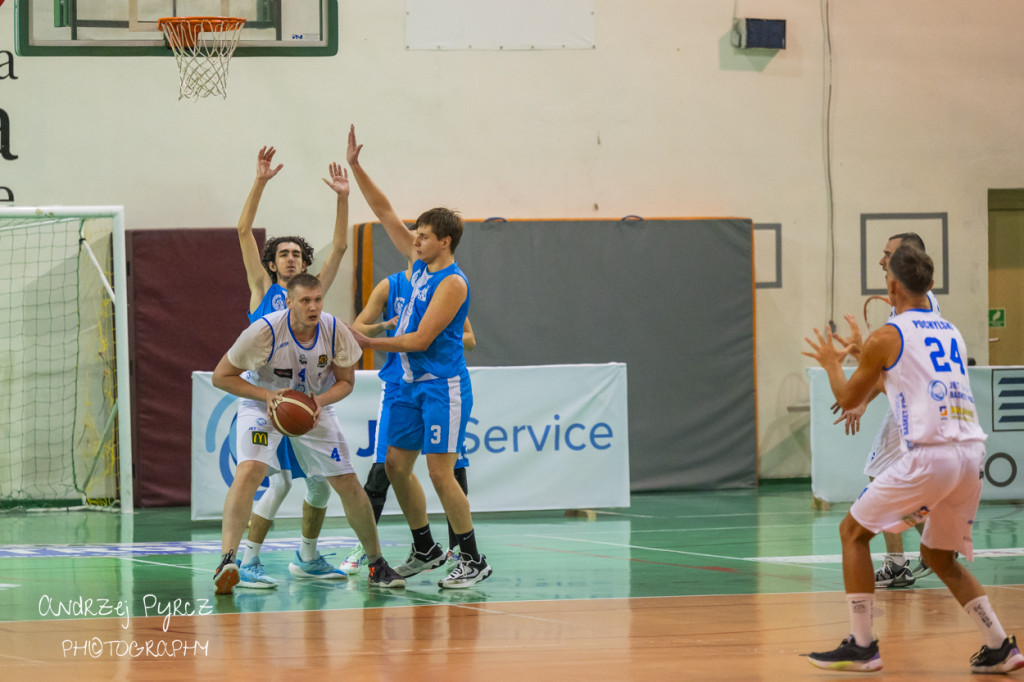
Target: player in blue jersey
268, 275
885, 450
386, 302
435, 400
922, 359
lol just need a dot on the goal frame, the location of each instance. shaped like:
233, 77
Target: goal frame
120, 302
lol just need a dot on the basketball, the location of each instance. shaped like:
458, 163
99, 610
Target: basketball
294, 413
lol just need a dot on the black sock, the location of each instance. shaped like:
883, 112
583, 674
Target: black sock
467, 545
422, 540
453, 540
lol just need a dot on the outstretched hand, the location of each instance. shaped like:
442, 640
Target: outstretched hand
339, 179
851, 417
352, 153
264, 165
825, 351
854, 341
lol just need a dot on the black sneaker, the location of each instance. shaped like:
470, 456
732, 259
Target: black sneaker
850, 657
466, 573
382, 575
1005, 659
226, 576
892, 574
419, 562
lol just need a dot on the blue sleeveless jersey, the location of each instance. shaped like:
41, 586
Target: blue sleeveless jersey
445, 357
399, 291
273, 300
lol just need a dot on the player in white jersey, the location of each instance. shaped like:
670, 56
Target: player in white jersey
885, 450
268, 275
305, 349
923, 361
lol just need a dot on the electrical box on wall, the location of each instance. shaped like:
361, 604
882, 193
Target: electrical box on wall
762, 33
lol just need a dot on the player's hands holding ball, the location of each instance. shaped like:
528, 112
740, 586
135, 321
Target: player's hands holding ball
293, 413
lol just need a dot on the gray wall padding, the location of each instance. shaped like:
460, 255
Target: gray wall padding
673, 299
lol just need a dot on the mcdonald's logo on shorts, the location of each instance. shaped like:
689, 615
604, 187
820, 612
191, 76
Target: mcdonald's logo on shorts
259, 438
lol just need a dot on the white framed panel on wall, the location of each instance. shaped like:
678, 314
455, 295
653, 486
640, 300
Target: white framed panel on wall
875, 230
499, 25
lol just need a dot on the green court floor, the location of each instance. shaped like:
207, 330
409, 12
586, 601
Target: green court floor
768, 540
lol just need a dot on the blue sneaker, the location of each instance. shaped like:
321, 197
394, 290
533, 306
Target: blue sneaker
253, 576
317, 568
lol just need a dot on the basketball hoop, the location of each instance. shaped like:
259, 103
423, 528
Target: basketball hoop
202, 47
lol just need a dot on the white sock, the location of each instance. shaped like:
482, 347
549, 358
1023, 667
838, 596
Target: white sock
252, 550
307, 549
984, 616
898, 559
862, 606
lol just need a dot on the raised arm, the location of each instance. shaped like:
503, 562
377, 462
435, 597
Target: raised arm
399, 234
366, 321
257, 277
339, 183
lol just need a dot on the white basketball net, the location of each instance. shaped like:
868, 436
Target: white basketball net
202, 47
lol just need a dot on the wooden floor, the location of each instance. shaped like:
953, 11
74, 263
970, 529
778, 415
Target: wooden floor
756, 637
732, 586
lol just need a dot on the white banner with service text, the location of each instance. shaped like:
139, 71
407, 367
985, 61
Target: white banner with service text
540, 437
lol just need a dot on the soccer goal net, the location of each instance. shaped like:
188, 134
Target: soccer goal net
65, 426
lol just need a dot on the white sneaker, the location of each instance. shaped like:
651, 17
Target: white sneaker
355, 559
466, 573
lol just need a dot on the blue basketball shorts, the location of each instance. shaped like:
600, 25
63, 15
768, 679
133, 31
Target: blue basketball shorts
431, 416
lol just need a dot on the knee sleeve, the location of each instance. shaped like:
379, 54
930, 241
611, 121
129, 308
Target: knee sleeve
460, 476
318, 492
273, 496
377, 484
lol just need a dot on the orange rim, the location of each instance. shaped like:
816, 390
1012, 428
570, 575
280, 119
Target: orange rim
185, 30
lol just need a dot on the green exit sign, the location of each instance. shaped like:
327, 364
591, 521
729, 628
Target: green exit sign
997, 317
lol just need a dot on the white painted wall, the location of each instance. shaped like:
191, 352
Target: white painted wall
663, 119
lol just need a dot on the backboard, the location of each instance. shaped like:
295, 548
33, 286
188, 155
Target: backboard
120, 28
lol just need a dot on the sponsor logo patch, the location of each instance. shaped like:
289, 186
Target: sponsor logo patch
259, 438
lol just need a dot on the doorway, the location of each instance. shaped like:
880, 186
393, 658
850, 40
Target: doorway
1006, 276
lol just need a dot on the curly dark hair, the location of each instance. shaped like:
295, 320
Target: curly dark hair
270, 252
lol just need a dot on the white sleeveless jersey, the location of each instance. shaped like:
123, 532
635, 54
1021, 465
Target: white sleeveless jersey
275, 359
928, 388
934, 302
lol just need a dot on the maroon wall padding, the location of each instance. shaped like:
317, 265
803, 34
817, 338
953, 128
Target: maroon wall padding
187, 297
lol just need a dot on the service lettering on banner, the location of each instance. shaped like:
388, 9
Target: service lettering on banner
568, 422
